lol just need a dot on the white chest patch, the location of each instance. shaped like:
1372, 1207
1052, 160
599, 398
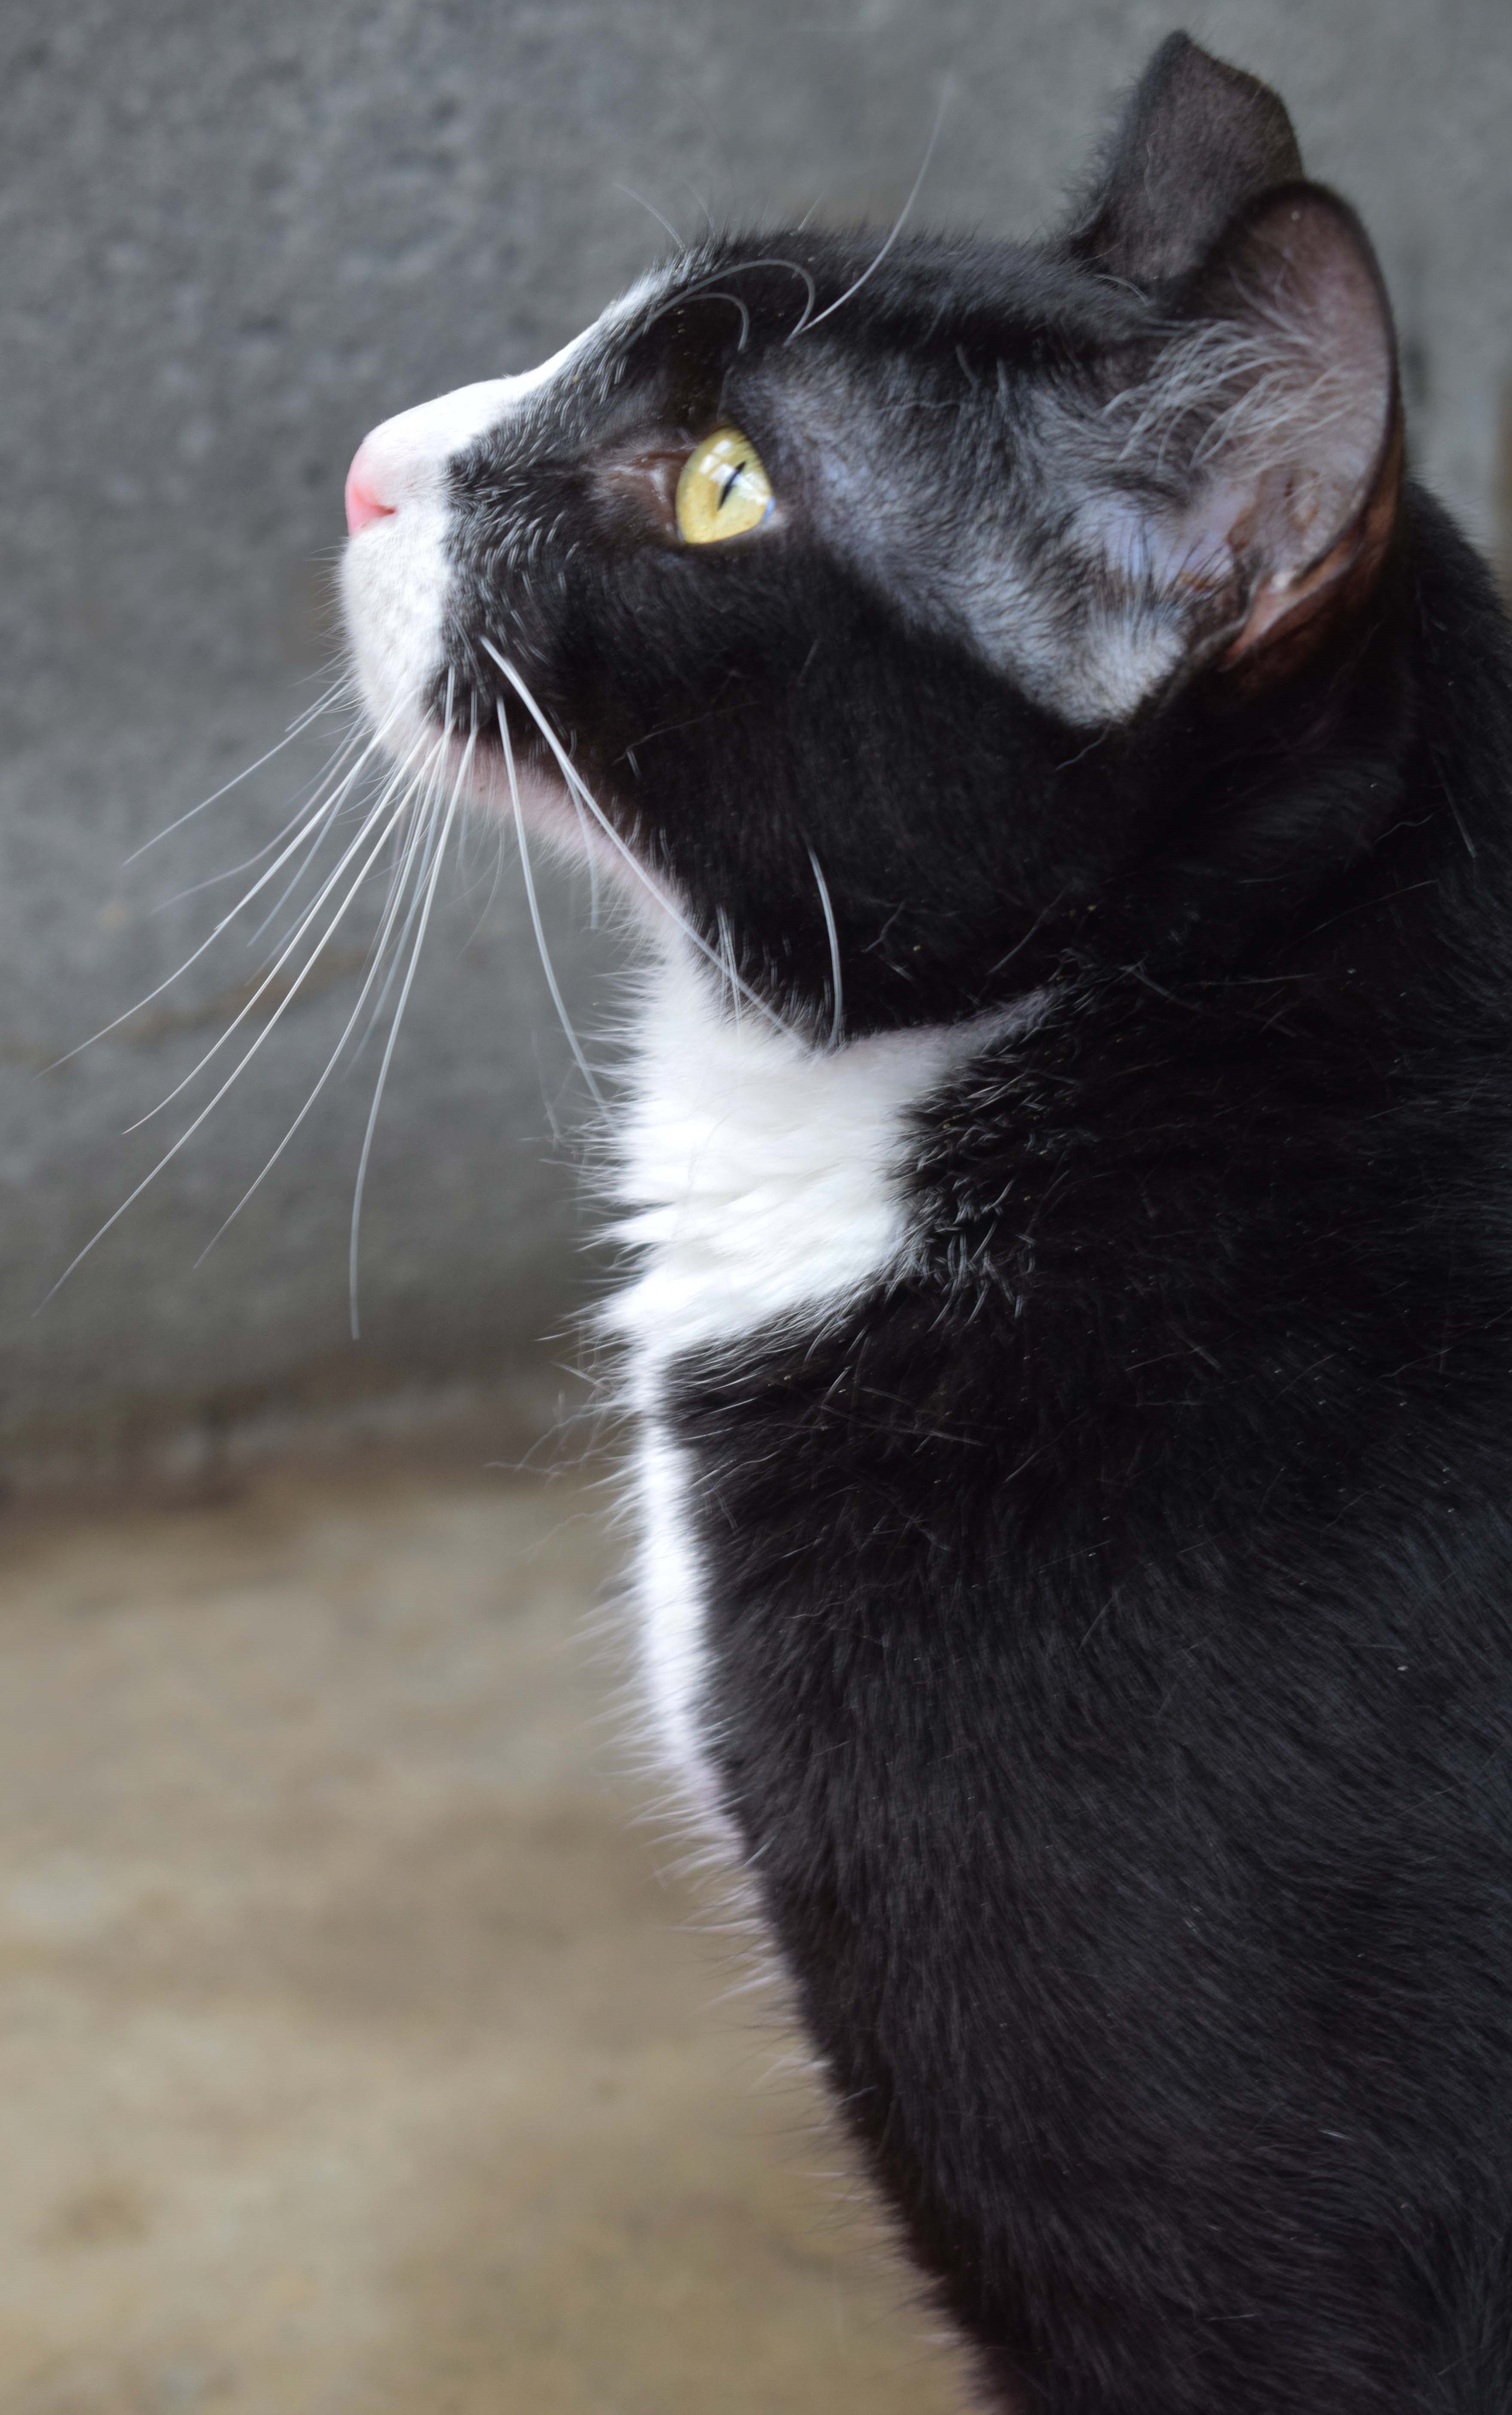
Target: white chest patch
763, 1181
761, 1176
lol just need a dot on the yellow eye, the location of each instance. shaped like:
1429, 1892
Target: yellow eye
723, 490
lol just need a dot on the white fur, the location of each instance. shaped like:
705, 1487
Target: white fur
761, 1176
396, 571
759, 1171
764, 1183
670, 1606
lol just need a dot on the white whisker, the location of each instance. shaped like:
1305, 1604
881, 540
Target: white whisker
419, 844
317, 831
225, 923
837, 1017
310, 916
303, 823
333, 1058
497, 833
224, 791
438, 859
322, 823
421, 827
576, 787
303, 814
726, 958
557, 999
592, 867
205, 1112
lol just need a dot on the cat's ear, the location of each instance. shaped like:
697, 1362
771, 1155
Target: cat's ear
1256, 472
1198, 139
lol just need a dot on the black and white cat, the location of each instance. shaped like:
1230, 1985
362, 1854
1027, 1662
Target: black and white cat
1068, 771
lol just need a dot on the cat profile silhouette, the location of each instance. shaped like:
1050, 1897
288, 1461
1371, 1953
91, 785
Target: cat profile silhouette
1060, 763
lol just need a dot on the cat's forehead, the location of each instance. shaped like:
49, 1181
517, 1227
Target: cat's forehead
927, 288
800, 311
895, 393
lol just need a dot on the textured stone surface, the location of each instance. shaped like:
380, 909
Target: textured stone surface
231, 238
355, 2057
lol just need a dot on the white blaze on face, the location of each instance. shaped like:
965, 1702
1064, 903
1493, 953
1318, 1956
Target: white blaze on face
396, 571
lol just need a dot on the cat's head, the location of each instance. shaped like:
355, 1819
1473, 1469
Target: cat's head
886, 606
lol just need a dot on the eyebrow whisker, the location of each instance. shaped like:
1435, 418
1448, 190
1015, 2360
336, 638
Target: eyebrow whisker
947, 96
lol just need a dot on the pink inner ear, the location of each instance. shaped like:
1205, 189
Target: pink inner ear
1311, 428
1239, 494
1280, 393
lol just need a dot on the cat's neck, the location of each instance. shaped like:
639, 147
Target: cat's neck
761, 1175
765, 1179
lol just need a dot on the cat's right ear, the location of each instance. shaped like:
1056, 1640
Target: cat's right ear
1242, 483
1263, 442
1197, 140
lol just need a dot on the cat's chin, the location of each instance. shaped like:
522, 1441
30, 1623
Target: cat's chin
392, 594
551, 817
393, 589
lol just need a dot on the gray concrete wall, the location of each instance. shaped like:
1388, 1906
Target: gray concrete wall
232, 238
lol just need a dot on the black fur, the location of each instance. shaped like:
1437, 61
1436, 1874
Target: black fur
1197, 140
1111, 1621
1115, 1651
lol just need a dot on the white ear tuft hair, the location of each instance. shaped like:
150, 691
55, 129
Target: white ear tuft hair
1252, 468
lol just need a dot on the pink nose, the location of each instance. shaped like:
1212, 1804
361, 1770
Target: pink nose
364, 501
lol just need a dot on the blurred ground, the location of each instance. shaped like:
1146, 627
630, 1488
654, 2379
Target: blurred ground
356, 2059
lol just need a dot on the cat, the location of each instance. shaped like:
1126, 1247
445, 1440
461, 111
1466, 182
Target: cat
1064, 761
